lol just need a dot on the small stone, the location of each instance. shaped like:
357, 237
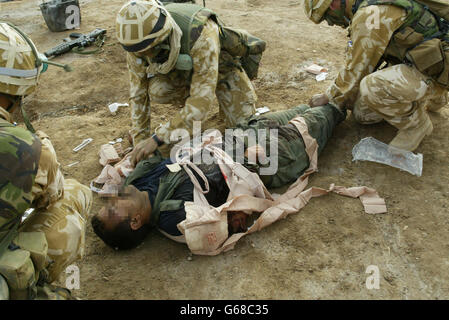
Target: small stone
189, 258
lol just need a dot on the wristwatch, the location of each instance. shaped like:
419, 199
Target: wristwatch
158, 141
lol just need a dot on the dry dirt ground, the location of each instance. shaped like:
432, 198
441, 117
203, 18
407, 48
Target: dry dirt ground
320, 253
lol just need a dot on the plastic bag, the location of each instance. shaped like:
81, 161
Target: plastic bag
370, 149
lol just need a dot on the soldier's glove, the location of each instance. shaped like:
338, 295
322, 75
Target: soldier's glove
143, 149
319, 100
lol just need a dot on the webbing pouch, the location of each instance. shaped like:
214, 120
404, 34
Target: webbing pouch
428, 57
18, 270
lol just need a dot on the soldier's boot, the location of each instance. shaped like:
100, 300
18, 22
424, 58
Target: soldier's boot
410, 138
4, 290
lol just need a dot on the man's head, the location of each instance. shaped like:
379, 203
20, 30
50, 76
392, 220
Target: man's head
333, 11
143, 25
123, 222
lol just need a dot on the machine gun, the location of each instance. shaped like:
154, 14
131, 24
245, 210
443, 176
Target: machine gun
80, 41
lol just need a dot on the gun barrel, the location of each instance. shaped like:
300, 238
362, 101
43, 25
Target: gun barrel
59, 49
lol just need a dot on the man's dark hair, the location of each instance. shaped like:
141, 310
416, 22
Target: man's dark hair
121, 237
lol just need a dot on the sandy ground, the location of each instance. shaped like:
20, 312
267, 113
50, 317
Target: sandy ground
321, 252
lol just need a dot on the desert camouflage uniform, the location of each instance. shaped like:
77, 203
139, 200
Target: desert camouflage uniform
399, 94
62, 210
216, 75
61, 206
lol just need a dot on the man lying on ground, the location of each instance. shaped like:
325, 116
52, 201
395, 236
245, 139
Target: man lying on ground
154, 196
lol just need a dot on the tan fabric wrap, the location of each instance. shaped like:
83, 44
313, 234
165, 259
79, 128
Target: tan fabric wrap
205, 227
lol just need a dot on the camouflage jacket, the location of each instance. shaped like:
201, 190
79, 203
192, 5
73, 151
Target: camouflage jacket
204, 50
20, 152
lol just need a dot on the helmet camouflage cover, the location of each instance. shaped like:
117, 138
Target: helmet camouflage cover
141, 25
315, 9
18, 71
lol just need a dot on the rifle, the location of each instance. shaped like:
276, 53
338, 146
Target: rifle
80, 41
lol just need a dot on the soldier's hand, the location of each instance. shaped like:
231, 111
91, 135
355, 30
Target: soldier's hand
143, 150
319, 100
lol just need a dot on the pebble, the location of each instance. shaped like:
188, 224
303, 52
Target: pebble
189, 258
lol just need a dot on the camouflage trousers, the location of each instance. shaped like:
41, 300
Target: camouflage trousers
400, 94
63, 221
235, 92
64, 225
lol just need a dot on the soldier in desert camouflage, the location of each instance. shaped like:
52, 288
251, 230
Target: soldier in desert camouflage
174, 57
408, 87
30, 177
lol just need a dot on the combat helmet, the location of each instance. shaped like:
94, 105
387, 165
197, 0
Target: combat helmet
141, 25
19, 62
315, 9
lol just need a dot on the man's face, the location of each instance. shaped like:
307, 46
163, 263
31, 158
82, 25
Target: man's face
116, 211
